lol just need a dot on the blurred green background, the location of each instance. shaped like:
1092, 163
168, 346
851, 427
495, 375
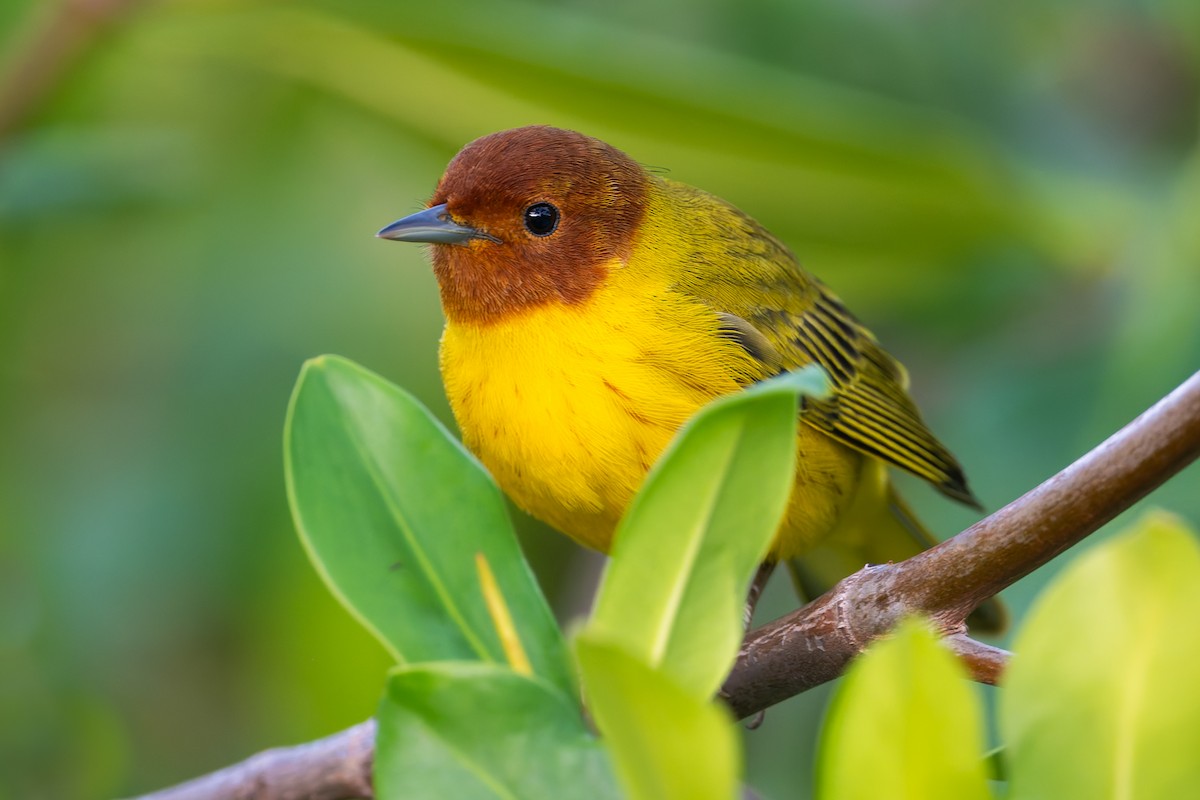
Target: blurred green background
1009, 194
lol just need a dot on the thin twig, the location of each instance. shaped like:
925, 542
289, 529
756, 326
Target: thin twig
985, 662
814, 645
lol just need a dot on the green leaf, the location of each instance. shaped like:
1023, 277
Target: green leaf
471, 731
905, 724
1102, 699
674, 591
667, 742
392, 512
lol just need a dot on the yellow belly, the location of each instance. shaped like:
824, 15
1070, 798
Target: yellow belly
569, 406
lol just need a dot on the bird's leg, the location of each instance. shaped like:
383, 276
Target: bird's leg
765, 569
756, 589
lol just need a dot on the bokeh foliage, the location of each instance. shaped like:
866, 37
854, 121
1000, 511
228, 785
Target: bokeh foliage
1006, 193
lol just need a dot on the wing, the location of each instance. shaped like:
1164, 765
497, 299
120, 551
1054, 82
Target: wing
786, 318
871, 409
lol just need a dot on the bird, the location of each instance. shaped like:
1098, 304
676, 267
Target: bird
592, 306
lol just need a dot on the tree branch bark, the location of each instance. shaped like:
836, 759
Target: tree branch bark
814, 644
337, 767
983, 661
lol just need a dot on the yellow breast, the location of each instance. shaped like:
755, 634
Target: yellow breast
568, 406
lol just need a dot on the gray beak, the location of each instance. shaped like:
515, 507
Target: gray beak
432, 226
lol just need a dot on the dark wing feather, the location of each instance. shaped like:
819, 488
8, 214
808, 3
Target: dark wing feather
762, 294
870, 410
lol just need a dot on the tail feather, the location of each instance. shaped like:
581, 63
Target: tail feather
878, 528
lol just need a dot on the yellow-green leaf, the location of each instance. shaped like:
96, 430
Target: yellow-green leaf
904, 725
667, 743
1101, 700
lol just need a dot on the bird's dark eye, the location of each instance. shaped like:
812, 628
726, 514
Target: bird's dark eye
541, 219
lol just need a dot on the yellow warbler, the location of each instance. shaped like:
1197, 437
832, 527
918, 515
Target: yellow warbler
592, 307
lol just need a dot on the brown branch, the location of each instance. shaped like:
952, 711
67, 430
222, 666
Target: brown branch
983, 661
337, 767
814, 645
51, 45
